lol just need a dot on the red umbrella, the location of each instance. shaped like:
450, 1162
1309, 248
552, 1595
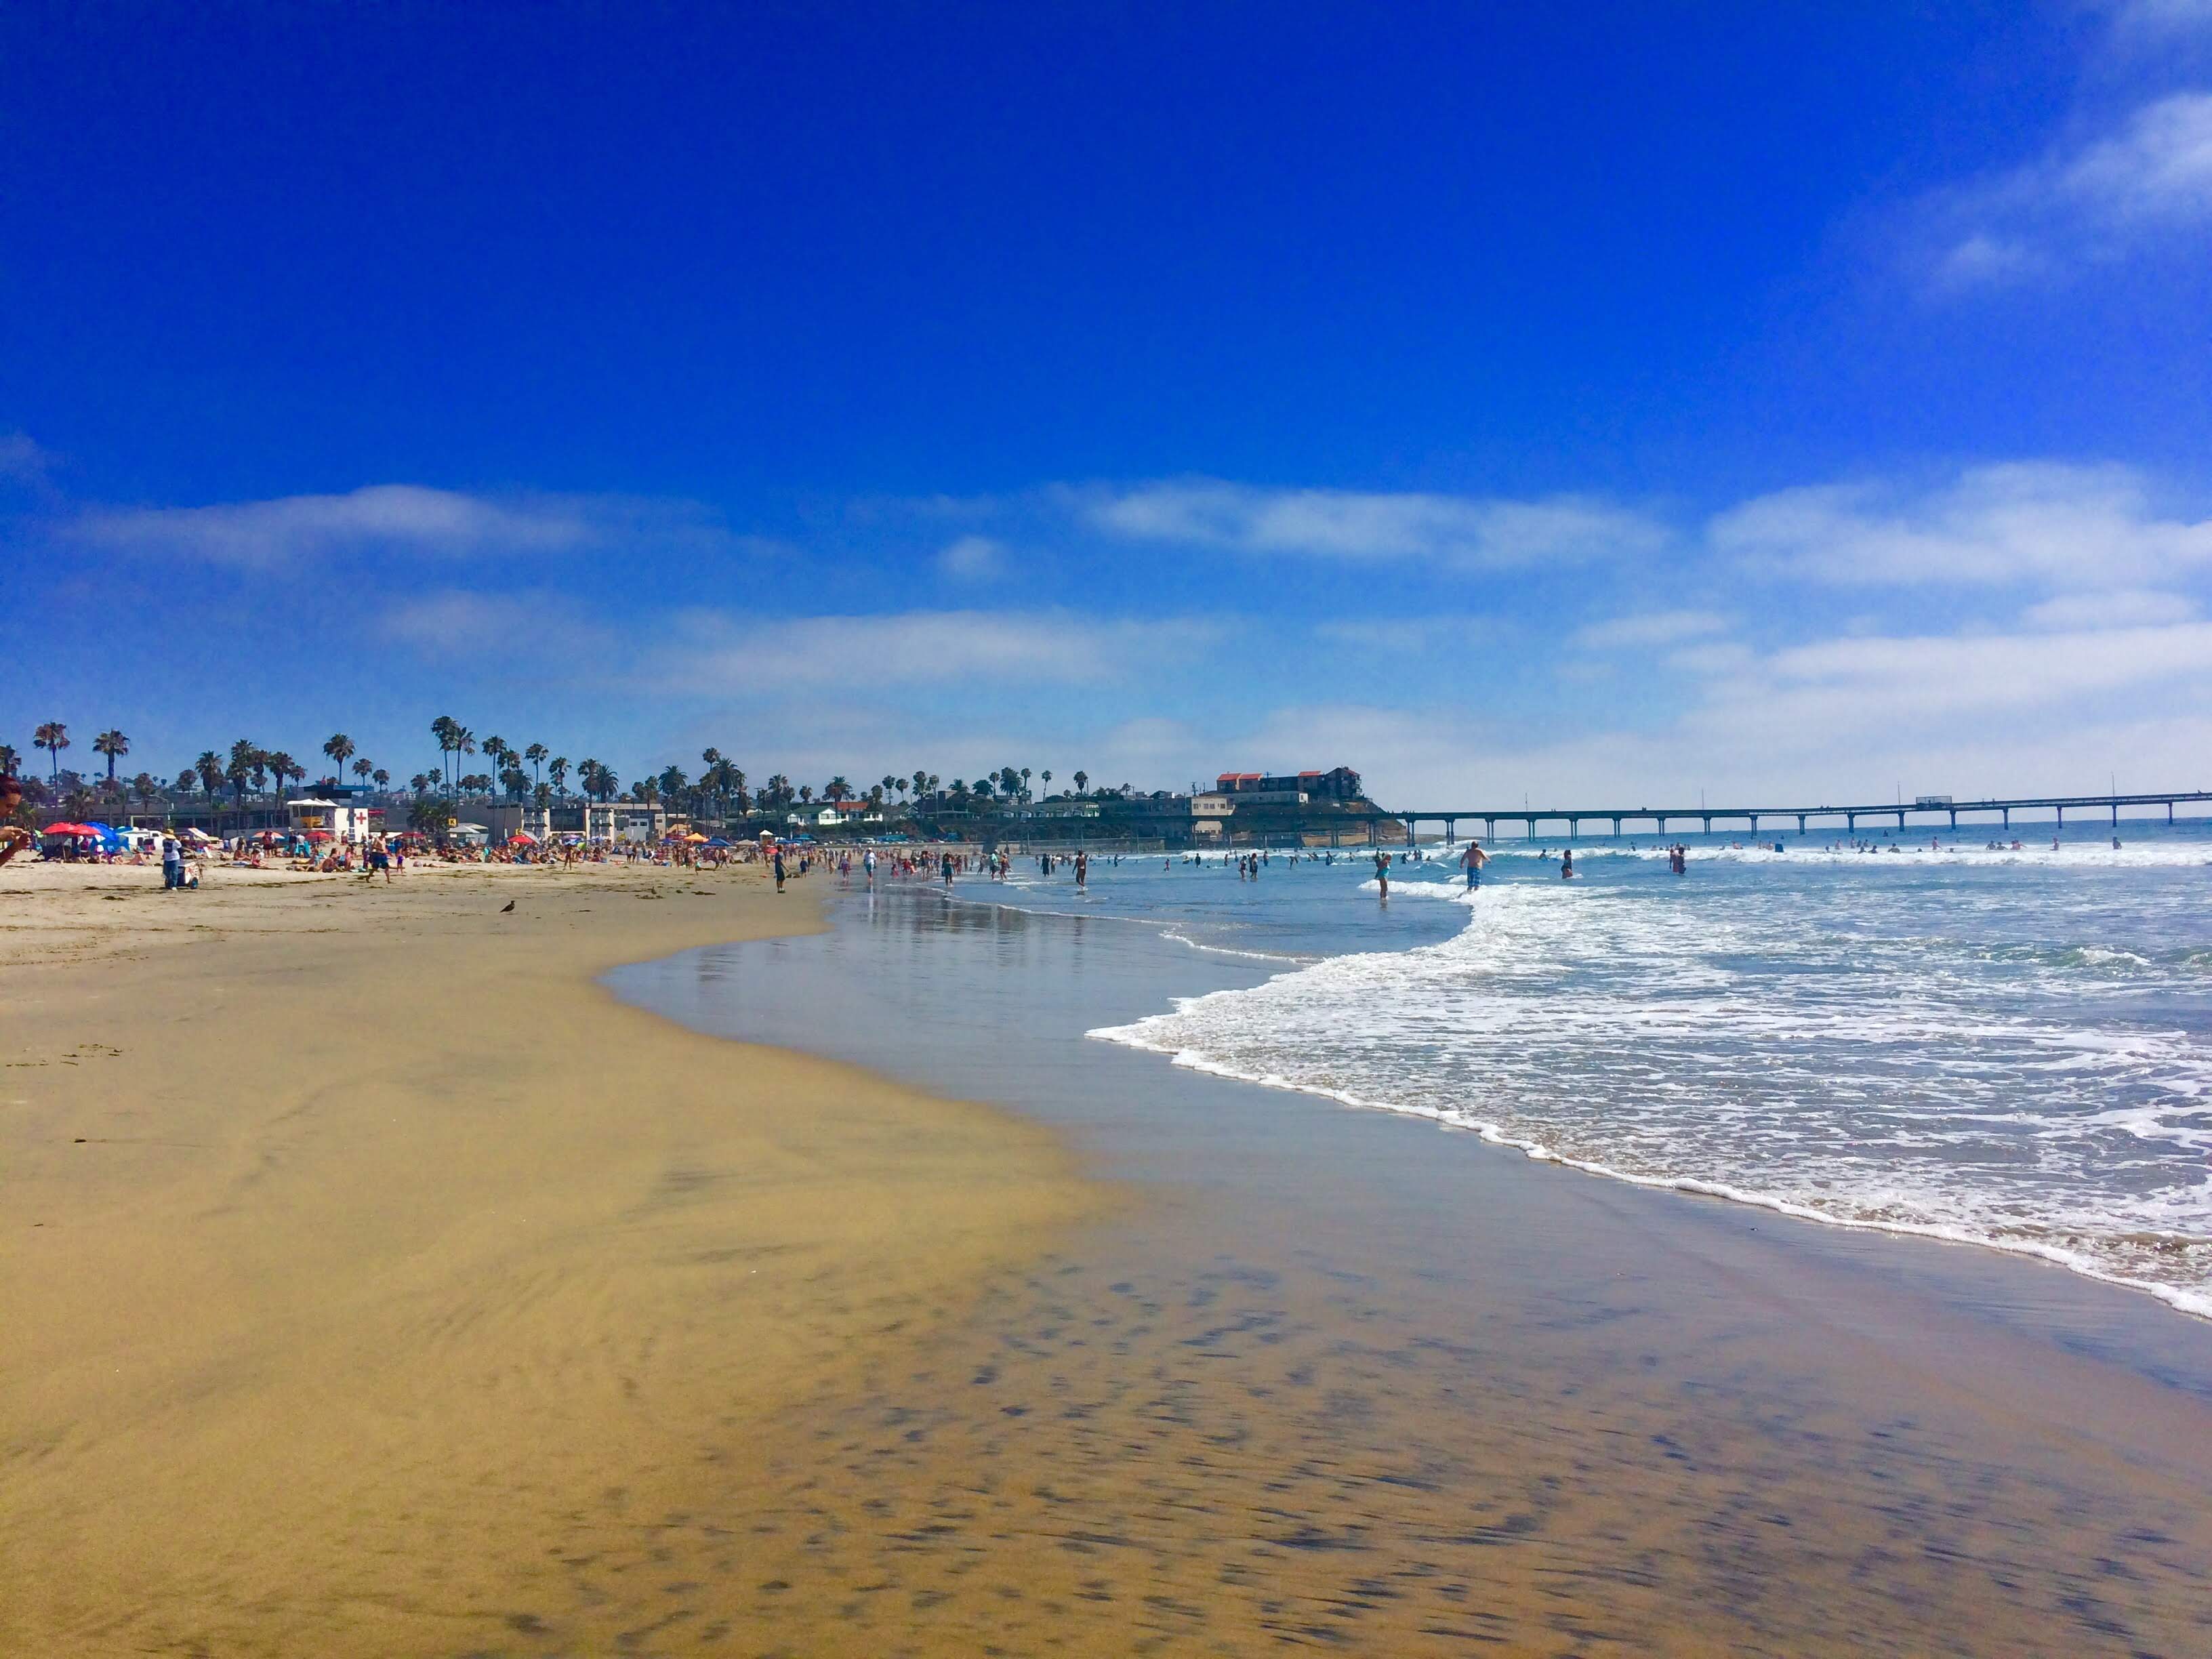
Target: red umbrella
522, 834
69, 829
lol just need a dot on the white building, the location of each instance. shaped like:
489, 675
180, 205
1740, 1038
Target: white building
634, 821
339, 819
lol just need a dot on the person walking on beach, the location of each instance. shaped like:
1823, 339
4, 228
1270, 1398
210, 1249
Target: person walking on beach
945, 868
1474, 858
172, 865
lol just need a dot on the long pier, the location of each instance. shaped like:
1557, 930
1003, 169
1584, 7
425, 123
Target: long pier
1660, 817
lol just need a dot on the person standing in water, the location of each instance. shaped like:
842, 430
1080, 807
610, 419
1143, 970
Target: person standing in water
1382, 873
1474, 858
1567, 865
1082, 871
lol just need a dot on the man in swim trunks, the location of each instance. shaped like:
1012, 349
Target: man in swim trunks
1474, 858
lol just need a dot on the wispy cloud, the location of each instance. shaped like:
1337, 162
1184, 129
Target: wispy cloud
2146, 181
400, 519
1651, 628
1412, 635
703, 651
21, 460
1462, 533
926, 647
2132, 607
2031, 524
973, 558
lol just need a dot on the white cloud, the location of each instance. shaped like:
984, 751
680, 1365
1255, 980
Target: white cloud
404, 519
2132, 607
2029, 523
1648, 629
973, 558
2149, 178
1465, 533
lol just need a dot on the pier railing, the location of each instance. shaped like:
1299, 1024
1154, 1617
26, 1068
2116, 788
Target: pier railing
1660, 817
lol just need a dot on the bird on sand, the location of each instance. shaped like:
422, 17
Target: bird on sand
504, 908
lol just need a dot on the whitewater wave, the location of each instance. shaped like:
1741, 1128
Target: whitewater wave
1727, 1048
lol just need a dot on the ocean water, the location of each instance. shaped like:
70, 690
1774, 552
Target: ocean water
2012, 1048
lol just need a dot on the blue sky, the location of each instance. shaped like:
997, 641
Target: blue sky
1583, 402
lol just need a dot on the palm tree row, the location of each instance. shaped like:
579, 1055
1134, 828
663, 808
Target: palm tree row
720, 790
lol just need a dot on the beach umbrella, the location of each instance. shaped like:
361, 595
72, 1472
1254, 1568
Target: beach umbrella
718, 842
695, 836
522, 836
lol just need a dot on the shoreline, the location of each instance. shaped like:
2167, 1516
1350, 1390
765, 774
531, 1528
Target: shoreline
371, 1255
1349, 1380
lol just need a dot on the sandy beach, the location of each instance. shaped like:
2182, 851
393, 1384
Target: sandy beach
380, 1283
365, 1260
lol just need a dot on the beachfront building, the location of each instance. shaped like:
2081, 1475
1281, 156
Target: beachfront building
315, 816
1291, 788
630, 821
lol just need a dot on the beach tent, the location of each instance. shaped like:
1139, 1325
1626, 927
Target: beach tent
718, 842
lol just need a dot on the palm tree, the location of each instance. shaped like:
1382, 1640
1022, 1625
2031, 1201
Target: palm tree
921, 782
419, 783
113, 745
559, 769
362, 768
806, 793
53, 738
186, 780
381, 778
10, 760
283, 766
1047, 776
244, 760
210, 767
536, 755
145, 786
672, 782
447, 730
1025, 783
933, 780
645, 790
837, 790
465, 743
339, 748
1082, 781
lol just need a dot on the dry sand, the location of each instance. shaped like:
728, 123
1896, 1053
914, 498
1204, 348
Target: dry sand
365, 1260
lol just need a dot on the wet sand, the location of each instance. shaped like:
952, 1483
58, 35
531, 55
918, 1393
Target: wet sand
1343, 1380
367, 1267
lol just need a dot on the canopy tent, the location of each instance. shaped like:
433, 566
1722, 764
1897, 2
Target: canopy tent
696, 836
718, 842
